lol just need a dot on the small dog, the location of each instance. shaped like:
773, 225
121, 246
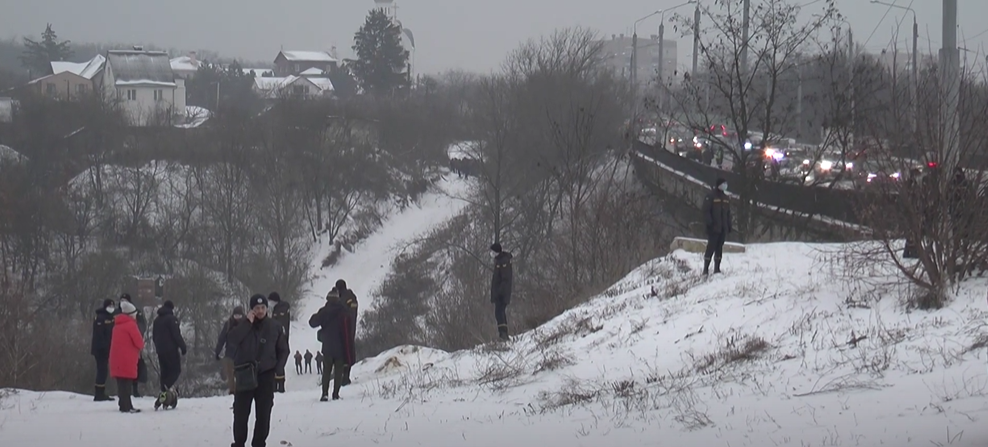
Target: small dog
167, 399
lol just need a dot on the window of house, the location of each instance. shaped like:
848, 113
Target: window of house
50, 88
158, 95
131, 95
80, 88
298, 68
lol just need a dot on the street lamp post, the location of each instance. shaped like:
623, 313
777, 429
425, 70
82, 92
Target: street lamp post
914, 86
634, 50
662, 54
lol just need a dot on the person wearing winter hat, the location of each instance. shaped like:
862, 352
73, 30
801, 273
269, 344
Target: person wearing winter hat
333, 321
125, 349
260, 341
102, 334
281, 312
501, 283
166, 334
142, 327
717, 218
235, 318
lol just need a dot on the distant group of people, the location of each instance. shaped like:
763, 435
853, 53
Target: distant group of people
308, 362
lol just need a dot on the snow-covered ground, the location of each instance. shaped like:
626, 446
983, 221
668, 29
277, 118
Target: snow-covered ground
784, 349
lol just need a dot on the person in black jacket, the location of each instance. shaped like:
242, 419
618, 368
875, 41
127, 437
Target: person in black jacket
261, 341
142, 325
350, 302
319, 360
337, 347
717, 219
308, 361
501, 288
238, 314
168, 343
281, 312
102, 334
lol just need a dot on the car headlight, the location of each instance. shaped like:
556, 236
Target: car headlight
896, 175
826, 165
849, 165
747, 145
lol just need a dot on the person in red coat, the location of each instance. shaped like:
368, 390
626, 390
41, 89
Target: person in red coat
125, 349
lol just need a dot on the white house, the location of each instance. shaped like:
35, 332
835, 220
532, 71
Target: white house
298, 86
185, 67
145, 85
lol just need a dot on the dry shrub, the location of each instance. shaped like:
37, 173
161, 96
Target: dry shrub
737, 348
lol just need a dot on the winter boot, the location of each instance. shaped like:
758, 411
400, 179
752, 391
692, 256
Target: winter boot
324, 398
336, 397
100, 394
717, 265
502, 332
706, 266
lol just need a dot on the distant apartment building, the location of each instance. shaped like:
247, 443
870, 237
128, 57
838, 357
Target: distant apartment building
617, 50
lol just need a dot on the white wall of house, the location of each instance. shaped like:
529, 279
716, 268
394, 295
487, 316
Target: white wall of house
144, 104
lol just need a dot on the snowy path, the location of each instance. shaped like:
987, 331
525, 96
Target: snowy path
367, 267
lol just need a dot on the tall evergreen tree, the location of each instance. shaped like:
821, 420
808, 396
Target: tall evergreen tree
381, 62
38, 56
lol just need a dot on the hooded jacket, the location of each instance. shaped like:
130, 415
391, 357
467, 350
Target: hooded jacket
264, 342
501, 280
717, 212
166, 333
102, 333
125, 347
334, 323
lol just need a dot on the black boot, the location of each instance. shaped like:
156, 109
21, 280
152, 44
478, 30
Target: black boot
136, 392
717, 265
502, 332
100, 394
706, 266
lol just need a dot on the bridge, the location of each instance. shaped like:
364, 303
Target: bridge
781, 211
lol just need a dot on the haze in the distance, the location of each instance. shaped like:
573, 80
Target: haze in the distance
469, 34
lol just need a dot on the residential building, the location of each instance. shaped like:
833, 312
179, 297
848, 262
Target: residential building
616, 53
69, 80
144, 84
288, 63
298, 86
185, 67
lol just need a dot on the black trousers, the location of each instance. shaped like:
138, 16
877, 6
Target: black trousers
102, 369
170, 364
715, 246
500, 314
334, 367
319, 365
262, 399
123, 391
308, 366
298, 367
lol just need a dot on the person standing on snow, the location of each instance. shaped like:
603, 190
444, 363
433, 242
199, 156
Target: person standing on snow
717, 219
238, 314
142, 327
102, 334
298, 362
168, 343
260, 343
337, 347
282, 313
350, 302
308, 361
319, 361
125, 349
501, 288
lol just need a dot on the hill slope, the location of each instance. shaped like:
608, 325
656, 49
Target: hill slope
783, 349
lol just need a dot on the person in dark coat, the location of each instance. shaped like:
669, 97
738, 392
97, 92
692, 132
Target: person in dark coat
102, 334
142, 327
238, 314
298, 362
319, 361
501, 288
717, 219
282, 313
168, 343
308, 361
337, 347
350, 302
261, 341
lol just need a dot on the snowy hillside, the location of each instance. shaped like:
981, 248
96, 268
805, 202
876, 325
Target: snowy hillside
783, 349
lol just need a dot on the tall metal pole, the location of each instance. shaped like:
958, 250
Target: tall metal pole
915, 80
746, 21
634, 59
951, 85
850, 65
662, 57
696, 38
799, 100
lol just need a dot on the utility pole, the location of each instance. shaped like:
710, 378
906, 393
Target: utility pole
696, 37
662, 57
746, 21
850, 67
915, 84
950, 62
799, 99
634, 61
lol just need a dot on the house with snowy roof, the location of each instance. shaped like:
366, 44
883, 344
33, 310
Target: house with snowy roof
144, 84
186, 67
288, 63
68, 80
304, 87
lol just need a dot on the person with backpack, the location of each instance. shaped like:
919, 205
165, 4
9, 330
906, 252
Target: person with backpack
125, 349
100, 349
333, 321
238, 314
281, 312
717, 219
168, 343
260, 350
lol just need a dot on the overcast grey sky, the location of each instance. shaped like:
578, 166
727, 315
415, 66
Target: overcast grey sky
470, 34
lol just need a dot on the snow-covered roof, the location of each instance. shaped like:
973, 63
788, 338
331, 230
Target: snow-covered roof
312, 72
270, 87
8, 154
137, 67
185, 63
258, 71
324, 84
307, 56
86, 69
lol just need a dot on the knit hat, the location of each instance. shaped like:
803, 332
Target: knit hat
496, 247
258, 300
239, 310
273, 296
125, 296
127, 308
168, 305
107, 303
340, 284
333, 295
